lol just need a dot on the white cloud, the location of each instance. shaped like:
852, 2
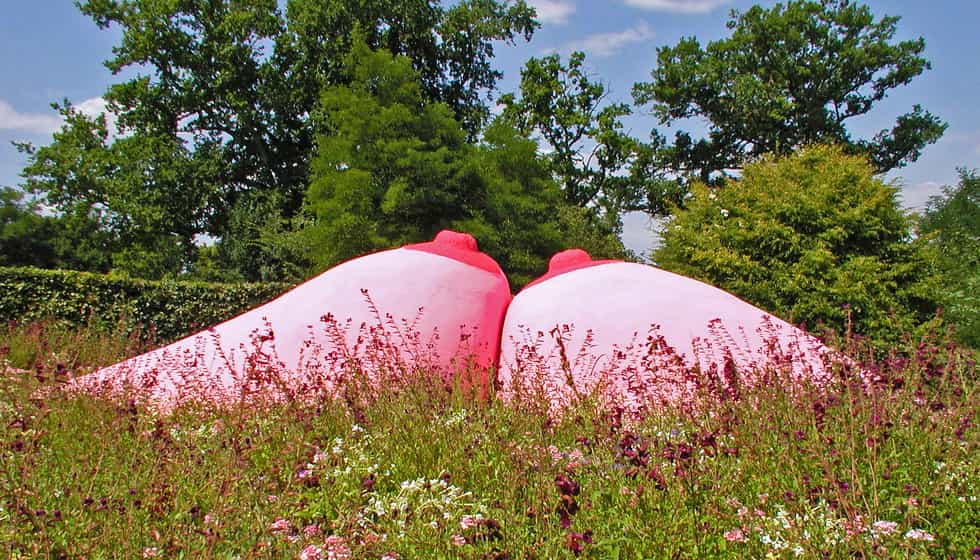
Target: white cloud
38, 123
678, 6
602, 45
96, 106
93, 107
553, 11
44, 123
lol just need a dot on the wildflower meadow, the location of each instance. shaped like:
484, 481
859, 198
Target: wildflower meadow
882, 462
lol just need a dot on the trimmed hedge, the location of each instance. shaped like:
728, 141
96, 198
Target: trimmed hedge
167, 309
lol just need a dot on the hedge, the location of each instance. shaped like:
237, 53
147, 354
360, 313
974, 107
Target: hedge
166, 309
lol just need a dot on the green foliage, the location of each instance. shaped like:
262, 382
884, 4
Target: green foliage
142, 192
217, 119
597, 164
951, 222
166, 309
815, 237
837, 475
789, 76
394, 169
28, 238
24, 235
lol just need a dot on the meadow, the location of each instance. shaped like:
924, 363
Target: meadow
879, 466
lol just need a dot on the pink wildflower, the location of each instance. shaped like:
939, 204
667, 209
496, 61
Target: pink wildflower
556, 454
337, 548
469, 521
735, 535
919, 535
854, 527
458, 540
311, 552
151, 552
279, 526
311, 530
879, 528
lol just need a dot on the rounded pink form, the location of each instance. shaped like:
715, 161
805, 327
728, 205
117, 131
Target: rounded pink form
635, 334
436, 305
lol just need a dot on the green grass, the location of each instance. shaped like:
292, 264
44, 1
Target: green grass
428, 473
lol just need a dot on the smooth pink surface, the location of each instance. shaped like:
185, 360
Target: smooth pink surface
438, 305
633, 333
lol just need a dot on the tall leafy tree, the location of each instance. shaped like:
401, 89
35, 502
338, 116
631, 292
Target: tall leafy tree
226, 92
789, 76
596, 162
394, 169
951, 223
146, 192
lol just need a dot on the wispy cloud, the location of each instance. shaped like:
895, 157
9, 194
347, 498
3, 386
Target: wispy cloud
37, 123
553, 11
678, 6
47, 123
601, 45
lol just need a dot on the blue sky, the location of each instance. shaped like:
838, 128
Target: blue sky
49, 51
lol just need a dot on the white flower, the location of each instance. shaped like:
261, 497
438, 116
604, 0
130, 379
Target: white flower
919, 535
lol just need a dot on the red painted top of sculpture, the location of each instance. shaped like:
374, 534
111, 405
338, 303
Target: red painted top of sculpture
458, 246
567, 261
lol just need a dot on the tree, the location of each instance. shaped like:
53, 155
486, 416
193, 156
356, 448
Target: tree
225, 95
597, 164
142, 191
814, 237
951, 223
789, 76
24, 235
394, 169
30, 238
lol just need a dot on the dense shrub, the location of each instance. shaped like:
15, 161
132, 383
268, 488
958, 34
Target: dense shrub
169, 309
815, 237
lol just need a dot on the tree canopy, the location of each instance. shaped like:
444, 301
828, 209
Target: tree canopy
392, 169
596, 162
789, 76
220, 118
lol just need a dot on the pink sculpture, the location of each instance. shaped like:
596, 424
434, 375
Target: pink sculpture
638, 337
438, 306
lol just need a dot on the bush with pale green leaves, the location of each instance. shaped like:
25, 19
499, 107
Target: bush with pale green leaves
816, 238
